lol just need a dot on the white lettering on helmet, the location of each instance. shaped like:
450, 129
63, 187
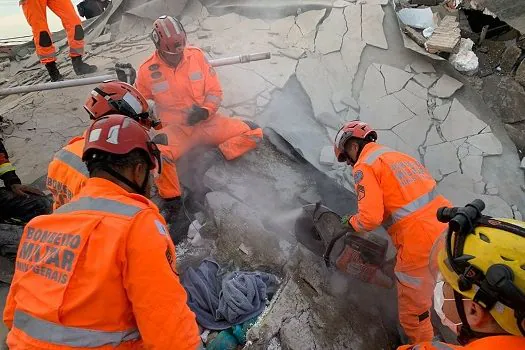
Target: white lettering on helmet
94, 135
113, 134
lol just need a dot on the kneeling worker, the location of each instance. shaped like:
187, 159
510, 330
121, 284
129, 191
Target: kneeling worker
100, 271
396, 191
480, 293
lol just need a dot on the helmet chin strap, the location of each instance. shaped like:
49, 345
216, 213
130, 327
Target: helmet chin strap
139, 189
466, 334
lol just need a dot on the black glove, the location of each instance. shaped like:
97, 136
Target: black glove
126, 73
197, 114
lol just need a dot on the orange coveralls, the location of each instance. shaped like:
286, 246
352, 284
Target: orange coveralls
99, 273
396, 191
507, 342
35, 13
175, 91
67, 173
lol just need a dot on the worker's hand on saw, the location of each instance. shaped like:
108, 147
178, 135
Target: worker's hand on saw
345, 221
126, 73
24, 190
197, 114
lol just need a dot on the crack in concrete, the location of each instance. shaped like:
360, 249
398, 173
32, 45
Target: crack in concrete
448, 112
384, 79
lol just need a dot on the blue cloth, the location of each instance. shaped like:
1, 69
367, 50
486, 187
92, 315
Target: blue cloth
219, 303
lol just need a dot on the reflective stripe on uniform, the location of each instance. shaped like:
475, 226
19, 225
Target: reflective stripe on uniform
70, 336
410, 208
73, 161
441, 346
50, 55
196, 76
76, 51
407, 279
99, 204
212, 99
374, 155
6, 167
160, 87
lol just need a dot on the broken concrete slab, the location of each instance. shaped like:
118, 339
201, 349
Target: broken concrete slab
352, 14
385, 113
417, 89
308, 21
248, 24
421, 66
373, 87
244, 85
292, 52
341, 3
433, 137
217, 24
315, 81
327, 156
336, 102
395, 78
441, 112
414, 103
487, 143
282, 26
351, 114
276, 71
441, 160
425, 80
445, 87
506, 97
330, 33
372, 26
102, 40
471, 166
520, 73
331, 120
349, 100
492, 189
392, 140
156, 8
460, 123
414, 131
351, 53
194, 13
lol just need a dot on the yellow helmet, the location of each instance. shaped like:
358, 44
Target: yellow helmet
483, 259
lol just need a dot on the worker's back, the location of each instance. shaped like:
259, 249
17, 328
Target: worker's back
98, 273
409, 201
67, 173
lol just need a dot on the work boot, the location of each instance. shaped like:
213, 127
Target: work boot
176, 217
53, 71
81, 67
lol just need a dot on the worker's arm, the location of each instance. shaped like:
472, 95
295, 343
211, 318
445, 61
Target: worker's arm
212, 88
140, 83
153, 287
369, 200
7, 170
10, 305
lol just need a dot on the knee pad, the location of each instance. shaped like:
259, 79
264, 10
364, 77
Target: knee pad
44, 39
253, 125
79, 32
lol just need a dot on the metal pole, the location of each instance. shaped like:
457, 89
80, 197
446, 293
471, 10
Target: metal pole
99, 79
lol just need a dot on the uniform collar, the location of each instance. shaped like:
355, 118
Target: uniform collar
98, 184
368, 148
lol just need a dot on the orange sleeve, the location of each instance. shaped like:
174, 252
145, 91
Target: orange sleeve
168, 181
153, 287
369, 200
212, 88
9, 310
140, 84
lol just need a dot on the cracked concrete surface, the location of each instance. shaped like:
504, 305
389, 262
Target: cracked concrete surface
329, 65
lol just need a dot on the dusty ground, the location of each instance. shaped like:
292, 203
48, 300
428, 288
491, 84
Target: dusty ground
334, 61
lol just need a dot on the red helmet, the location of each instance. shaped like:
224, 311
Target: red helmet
354, 129
118, 134
113, 96
169, 35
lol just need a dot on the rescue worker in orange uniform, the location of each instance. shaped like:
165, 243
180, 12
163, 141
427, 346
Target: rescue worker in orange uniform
396, 191
187, 94
36, 16
66, 173
99, 273
480, 293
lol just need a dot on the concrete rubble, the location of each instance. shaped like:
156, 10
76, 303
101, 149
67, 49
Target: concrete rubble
320, 76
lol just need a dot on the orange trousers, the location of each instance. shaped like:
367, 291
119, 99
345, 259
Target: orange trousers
232, 136
35, 13
415, 290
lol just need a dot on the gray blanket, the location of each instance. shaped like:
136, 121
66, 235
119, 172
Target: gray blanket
220, 302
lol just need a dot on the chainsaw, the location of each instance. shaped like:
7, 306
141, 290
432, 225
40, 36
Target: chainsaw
319, 229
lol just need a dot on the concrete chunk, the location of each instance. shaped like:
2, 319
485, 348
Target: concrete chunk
315, 80
385, 113
292, 52
372, 26
373, 87
441, 159
308, 21
471, 166
348, 100
487, 143
395, 78
414, 131
417, 90
509, 58
460, 123
441, 112
282, 26
445, 87
414, 103
327, 156
425, 80
330, 34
